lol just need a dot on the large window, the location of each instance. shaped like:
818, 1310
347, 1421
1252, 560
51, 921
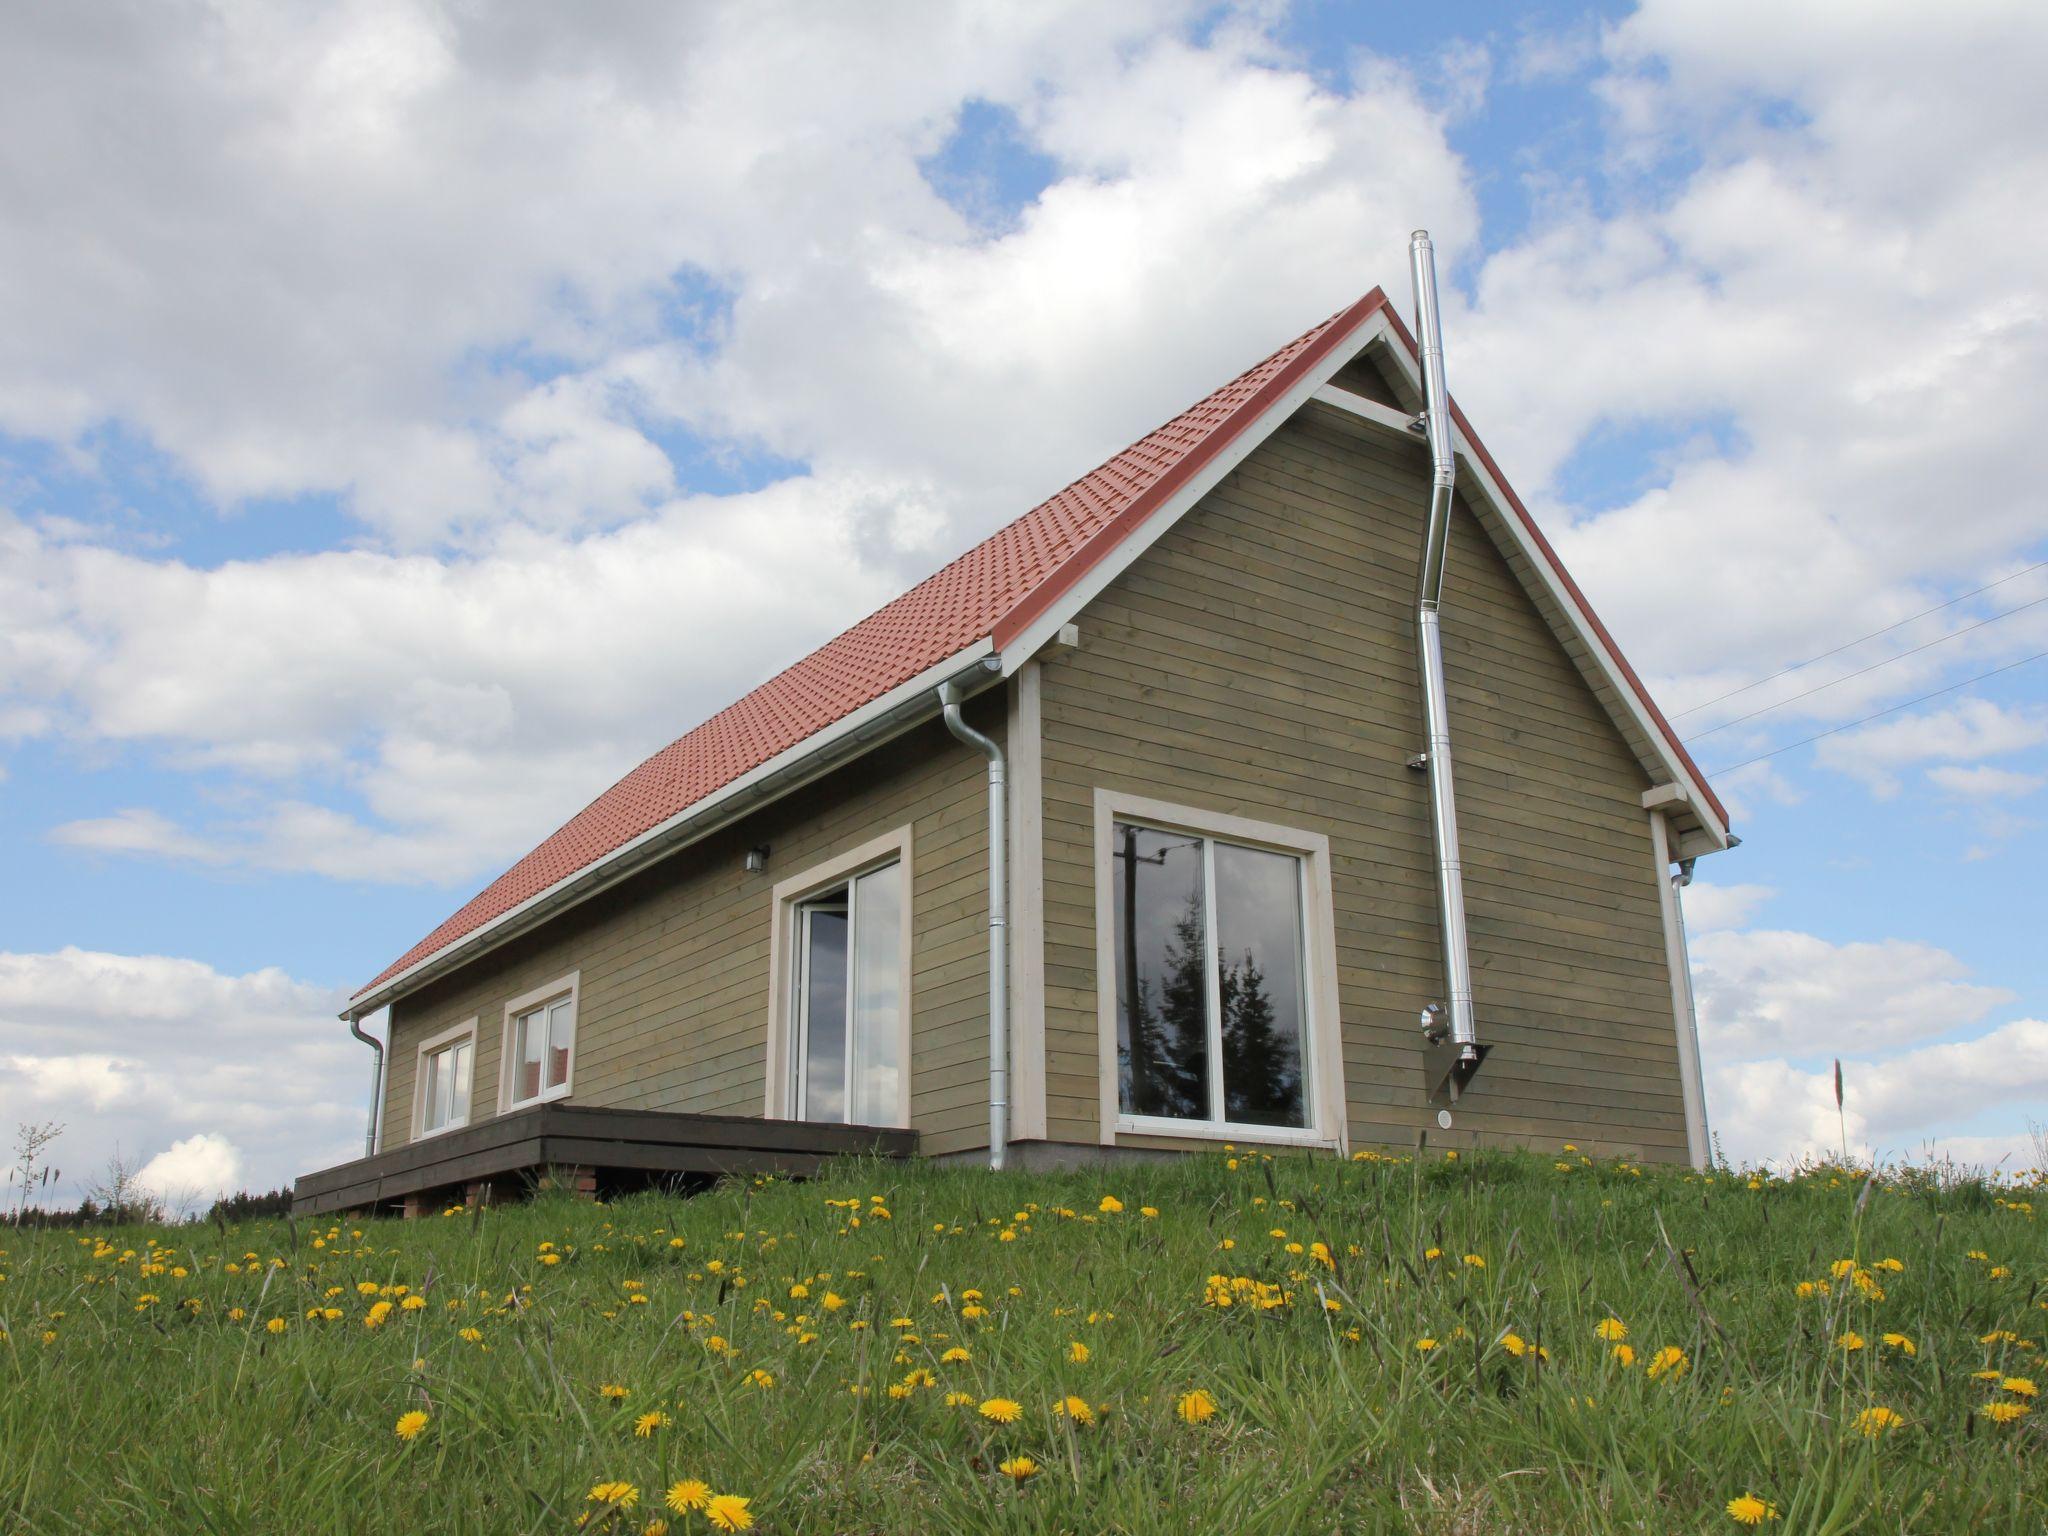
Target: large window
540, 1044
445, 1067
847, 1002
1211, 1003
839, 1012
1217, 977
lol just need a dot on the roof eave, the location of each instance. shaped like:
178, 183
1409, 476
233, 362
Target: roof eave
881, 719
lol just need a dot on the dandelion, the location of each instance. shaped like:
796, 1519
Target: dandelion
1748, 1509
276, 1325
1109, 1205
1077, 1353
1075, 1408
1474, 1261
1018, 1467
1196, 1407
1849, 1342
955, 1356
648, 1423
1612, 1329
760, 1378
728, 1512
1872, 1422
2019, 1386
615, 1495
1901, 1343
1624, 1355
1424, 1345
376, 1315
1668, 1361
958, 1399
687, 1496
2004, 1413
410, 1425
1002, 1410
611, 1391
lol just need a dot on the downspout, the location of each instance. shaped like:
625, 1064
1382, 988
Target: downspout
376, 1085
1463, 1055
1685, 1009
998, 921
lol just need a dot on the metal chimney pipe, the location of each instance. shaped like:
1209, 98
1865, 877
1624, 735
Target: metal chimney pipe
1429, 587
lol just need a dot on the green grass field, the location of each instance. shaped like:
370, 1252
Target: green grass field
1492, 1343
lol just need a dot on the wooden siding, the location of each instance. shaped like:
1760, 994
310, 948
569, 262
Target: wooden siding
1259, 660
674, 963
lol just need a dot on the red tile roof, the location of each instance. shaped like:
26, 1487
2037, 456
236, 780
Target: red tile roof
995, 590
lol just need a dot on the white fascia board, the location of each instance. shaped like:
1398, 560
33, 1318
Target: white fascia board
686, 826
1473, 470
1047, 625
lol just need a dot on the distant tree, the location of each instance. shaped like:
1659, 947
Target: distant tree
1261, 1066
121, 1198
248, 1207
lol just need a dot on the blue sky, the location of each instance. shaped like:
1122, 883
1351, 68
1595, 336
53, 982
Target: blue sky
390, 456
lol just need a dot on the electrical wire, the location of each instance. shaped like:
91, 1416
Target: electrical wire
1846, 676
1879, 715
1852, 644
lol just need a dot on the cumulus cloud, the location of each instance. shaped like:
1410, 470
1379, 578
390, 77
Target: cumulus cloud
1768, 992
204, 1078
1962, 733
1710, 907
1984, 782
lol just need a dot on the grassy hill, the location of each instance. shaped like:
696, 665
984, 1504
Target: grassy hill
1486, 1343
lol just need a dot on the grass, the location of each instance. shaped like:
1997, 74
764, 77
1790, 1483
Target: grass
142, 1377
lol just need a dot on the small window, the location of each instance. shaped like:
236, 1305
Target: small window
846, 1005
446, 1068
540, 1045
1212, 1019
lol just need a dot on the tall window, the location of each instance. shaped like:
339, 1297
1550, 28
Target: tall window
444, 1085
846, 1003
1211, 991
542, 1047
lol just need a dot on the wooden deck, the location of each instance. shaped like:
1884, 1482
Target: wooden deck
601, 1145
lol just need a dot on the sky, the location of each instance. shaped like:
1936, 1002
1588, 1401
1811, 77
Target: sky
413, 414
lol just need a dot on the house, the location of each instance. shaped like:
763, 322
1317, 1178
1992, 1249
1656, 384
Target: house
1121, 833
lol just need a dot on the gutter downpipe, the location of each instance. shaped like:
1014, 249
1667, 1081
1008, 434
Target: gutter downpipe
998, 925
1450, 885
1674, 874
370, 1136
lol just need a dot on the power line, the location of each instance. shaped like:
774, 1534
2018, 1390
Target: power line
1887, 661
1894, 709
1852, 644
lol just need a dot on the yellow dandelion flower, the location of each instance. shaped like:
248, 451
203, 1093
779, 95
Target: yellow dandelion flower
1077, 1353
413, 1303
276, 1325
1018, 1467
955, 1356
1196, 1407
1612, 1329
410, 1425
1109, 1205
1668, 1361
1872, 1422
1149, 1212
1625, 1355
1475, 1261
760, 1378
612, 1391
2019, 1386
959, 1399
648, 1423
2004, 1413
833, 1301
1002, 1410
1748, 1509
1424, 1345
614, 1495
1850, 1341
728, 1512
1514, 1344
689, 1495
1901, 1343
1075, 1408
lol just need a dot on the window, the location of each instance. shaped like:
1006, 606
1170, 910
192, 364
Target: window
1216, 972
442, 1083
540, 1043
839, 1039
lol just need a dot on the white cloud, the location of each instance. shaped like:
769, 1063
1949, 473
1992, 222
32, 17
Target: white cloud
1710, 907
205, 1079
1984, 782
193, 1172
1962, 733
1773, 992
1895, 1107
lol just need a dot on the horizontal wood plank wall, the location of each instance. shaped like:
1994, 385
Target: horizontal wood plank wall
1259, 660
674, 962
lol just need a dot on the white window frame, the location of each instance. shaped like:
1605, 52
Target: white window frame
1323, 1053
779, 1096
566, 987
433, 1045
